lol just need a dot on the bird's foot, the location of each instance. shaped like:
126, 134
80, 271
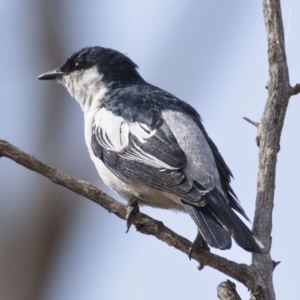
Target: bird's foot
132, 208
199, 242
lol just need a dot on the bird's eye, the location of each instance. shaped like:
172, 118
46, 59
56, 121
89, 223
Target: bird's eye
78, 66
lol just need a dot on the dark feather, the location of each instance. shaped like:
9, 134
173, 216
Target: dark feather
144, 103
211, 211
212, 230
159, 146
218, 214
172, 181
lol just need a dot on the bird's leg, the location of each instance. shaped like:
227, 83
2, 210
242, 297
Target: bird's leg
132, 208
201, 243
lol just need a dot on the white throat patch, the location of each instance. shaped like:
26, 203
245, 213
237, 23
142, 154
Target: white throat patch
86, 86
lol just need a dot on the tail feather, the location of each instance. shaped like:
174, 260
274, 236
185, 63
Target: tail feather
239, 231
212, 231
217, 221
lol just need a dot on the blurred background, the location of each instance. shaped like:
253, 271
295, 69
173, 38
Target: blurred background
57, 245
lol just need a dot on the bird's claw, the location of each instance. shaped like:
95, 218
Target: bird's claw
199, 242
201, 266
132, 209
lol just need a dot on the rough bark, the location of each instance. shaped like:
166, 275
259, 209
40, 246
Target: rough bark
268, 139
227, 291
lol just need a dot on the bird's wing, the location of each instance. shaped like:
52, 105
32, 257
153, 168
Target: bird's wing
150, 154
165, 148
225, 175
223, 170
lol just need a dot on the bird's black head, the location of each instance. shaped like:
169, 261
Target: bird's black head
111, 64
91, 73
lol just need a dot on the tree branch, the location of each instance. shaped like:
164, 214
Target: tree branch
269, 132
144, 224
251, 122
295, 90
227, 291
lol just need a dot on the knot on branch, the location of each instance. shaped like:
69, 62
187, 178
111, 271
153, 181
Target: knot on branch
273, 53
226, 291
257, 294
144, 225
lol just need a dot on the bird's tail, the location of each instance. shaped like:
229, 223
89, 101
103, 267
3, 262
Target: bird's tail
217, 222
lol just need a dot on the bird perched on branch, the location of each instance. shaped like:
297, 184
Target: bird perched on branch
150, 147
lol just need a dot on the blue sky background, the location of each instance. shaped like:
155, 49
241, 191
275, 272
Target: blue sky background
212, 54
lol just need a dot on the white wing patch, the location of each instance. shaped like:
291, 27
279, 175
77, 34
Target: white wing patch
112, 130
113, 134
134, 152
141, 131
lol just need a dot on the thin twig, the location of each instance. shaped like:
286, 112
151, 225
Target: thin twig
143, 223
251, 122
295, 90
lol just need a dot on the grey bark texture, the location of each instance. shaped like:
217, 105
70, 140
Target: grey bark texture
268, 140
258, 277
226, 291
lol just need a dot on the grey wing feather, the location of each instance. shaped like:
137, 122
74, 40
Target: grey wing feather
201, 164
216, 219
208, 166
173, 156
225, 175
151, 156
146, 134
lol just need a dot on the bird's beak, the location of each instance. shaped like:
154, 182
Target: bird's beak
56, 74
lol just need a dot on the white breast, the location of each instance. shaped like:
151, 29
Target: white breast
134, 189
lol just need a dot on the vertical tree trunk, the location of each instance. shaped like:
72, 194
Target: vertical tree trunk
268, 139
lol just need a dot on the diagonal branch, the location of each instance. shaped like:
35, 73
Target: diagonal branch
143, 223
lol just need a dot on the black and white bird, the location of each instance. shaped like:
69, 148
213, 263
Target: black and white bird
151, 147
